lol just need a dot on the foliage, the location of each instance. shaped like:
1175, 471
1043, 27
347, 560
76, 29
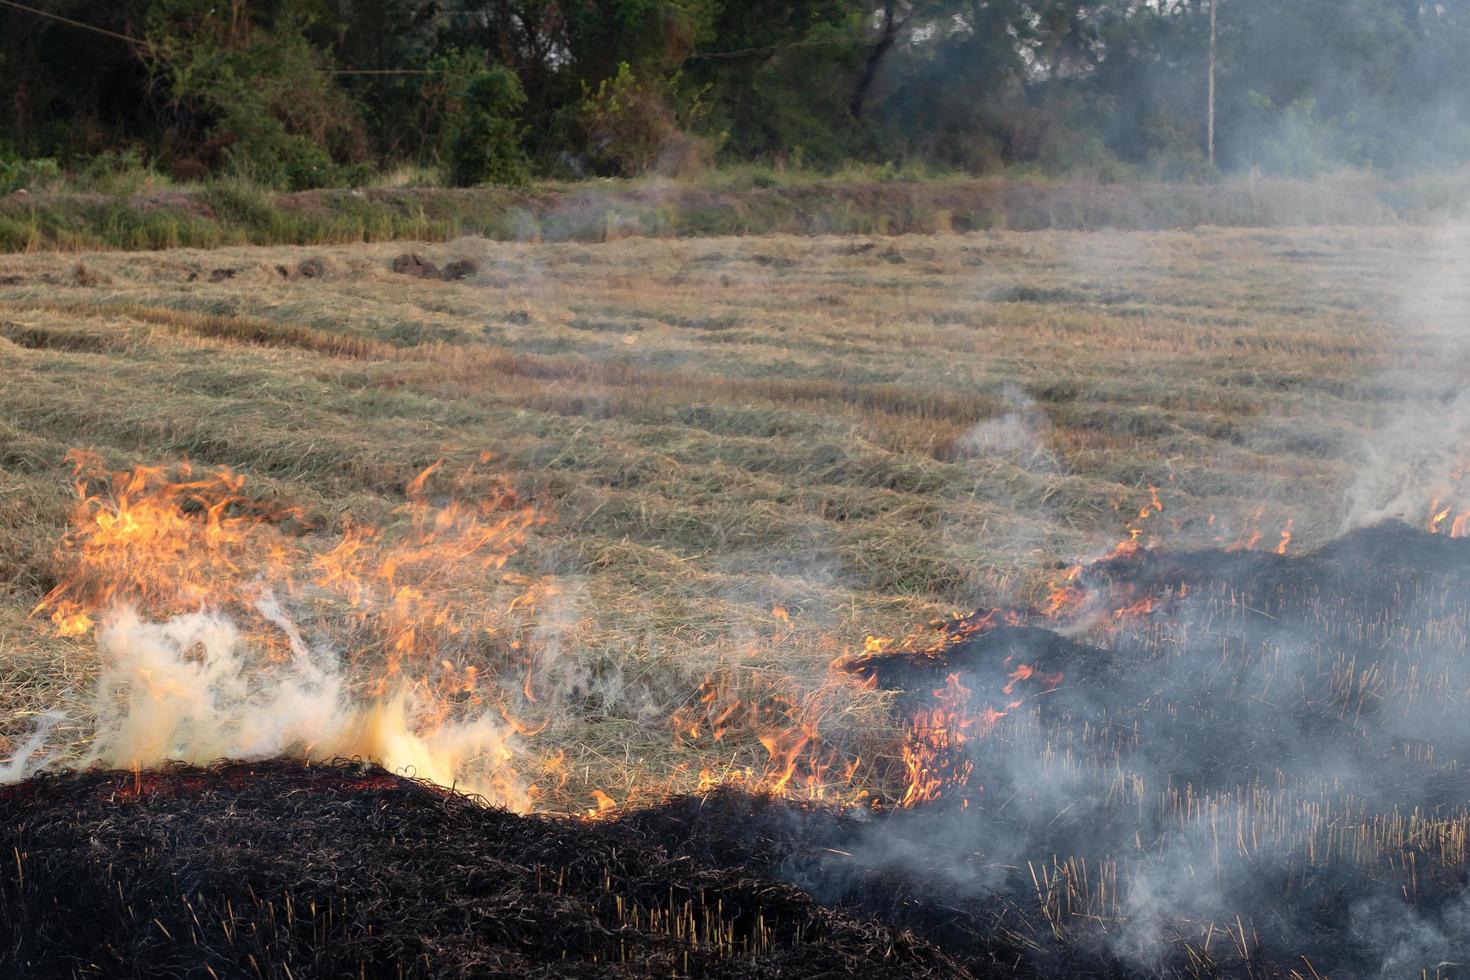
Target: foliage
256, 92
21, 174
1110, 88
630, 127
483, 142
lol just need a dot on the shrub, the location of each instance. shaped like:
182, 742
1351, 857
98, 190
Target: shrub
483, 141
258, 92
261, 149
1295, 138
22, 174
631, 128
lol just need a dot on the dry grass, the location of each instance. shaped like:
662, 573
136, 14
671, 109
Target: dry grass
865, 433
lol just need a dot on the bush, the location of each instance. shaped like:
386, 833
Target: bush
631, 128
118, 172
483, 142
1295, 139
260, 149
258, 92
20, 174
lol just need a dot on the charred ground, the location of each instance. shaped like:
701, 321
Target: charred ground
281, 870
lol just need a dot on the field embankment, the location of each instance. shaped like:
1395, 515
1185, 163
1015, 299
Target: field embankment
233, 215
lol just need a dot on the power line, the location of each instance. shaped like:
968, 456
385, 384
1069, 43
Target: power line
764, 49
143, 45
135, 42
392, 71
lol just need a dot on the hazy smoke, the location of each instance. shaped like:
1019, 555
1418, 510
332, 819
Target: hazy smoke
1418, 454
192, 689
25, 762
1191, 750
1018, 435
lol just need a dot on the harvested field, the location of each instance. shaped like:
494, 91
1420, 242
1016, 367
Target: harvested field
675, 481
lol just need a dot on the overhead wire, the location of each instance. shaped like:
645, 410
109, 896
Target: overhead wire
136, 42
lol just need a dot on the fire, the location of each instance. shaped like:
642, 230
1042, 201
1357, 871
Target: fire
1135, 610
202, 597
1155, 506
1436, 519
1067, 599
1137, 526
934, 757
1063, 595
1285, 538
228, 584
603, 805
175, 544
1049, 682
1019, 674
1251, 533
798, 756
1458, 525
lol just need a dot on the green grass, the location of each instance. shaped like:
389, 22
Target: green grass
739, 201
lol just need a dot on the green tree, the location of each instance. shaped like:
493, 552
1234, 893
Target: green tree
483, 140
251, 93
619, 86
378, 39
777, 78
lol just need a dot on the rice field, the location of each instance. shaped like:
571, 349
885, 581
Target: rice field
746, 454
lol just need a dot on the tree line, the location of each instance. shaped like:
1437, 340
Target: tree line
302, 93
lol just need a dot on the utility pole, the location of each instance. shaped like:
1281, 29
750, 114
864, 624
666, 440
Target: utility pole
1210, 99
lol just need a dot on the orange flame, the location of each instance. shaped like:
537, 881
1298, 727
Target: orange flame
604, 804
168, 543
1459, 525
1285, 538
934, 758
165, 547
798, 759
171, 541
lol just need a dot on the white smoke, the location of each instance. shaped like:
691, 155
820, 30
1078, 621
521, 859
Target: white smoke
184, 689
193, 689
24, 763
1018, 435
1419, 451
